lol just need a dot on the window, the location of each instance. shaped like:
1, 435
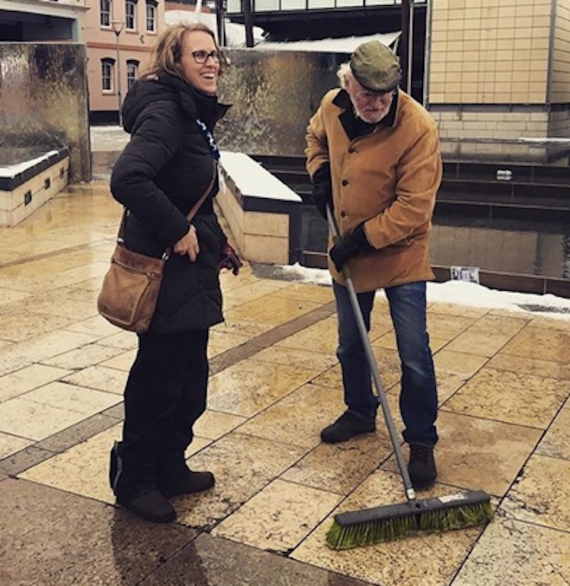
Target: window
131, 15
105, 6
107, 68
150, 16
132, 72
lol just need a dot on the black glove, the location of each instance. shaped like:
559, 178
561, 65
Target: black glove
230, 259
322, 190
349, 246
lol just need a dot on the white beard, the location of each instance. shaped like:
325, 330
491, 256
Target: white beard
374, 119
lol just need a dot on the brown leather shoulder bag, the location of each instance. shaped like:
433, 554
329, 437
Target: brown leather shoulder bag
130, 287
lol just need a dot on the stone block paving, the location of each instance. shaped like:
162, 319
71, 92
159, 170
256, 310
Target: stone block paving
504, 424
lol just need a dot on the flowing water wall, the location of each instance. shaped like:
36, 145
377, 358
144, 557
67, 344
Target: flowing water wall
44, 102
274, 94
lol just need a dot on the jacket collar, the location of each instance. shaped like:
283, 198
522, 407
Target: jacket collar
194, 102
348, 118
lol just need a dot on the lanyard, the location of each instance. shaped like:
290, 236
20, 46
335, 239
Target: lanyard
209, 138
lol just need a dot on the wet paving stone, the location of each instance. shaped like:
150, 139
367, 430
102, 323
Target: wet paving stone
211, 561
52, 538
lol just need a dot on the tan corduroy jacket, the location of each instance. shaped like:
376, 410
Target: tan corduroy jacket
387, 179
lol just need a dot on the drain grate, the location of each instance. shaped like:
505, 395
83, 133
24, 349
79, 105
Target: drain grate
536, 308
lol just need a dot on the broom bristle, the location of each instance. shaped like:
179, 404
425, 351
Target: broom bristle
341, 537
347, 537
459, 517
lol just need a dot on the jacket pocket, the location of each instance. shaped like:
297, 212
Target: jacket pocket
403, 244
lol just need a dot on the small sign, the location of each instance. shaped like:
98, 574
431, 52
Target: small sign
469, 274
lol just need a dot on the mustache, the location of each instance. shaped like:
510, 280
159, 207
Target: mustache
376, 114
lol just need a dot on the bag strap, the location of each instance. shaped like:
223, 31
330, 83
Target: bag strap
202, 199
189, 217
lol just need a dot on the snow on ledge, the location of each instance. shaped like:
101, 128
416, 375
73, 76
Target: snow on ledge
8, 171
342, 45
253, 180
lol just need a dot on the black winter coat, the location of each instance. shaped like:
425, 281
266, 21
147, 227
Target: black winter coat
162, 172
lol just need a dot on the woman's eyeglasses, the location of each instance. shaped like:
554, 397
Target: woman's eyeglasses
202, 57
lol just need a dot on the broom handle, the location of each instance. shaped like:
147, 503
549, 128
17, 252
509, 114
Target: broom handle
410, 493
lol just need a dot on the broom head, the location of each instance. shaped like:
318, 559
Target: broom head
390, 522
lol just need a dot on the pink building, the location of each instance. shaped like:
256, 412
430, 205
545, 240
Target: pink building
119, 35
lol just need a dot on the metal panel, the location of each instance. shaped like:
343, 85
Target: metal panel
274, 94
43, 101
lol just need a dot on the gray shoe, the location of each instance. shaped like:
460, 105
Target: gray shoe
347, 426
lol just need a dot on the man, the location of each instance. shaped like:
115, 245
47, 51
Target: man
373, 156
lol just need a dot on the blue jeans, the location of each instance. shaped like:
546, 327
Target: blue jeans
418, 393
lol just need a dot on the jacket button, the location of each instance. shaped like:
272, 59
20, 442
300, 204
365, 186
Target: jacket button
343, 214
344, 182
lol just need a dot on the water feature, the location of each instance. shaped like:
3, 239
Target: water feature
43, 101
44, 137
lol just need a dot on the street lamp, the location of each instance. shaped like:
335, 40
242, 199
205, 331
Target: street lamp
221, 8
118, 26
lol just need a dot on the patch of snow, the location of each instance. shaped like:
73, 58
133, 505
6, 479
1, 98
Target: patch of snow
307, 275
458, 293
108, 138
253, 180
343, 45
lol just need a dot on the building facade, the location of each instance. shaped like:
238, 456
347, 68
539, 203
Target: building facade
41, 20
119, 36
499, 72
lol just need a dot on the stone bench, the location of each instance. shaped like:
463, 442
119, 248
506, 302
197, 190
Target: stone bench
264, 214
29, 179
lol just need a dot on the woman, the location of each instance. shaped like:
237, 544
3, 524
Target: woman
169, 163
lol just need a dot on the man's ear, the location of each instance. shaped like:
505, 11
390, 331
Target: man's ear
350, 85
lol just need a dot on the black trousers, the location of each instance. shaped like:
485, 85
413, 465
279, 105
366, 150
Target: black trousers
165, 394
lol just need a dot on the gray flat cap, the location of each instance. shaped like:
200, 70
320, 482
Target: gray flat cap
376, 67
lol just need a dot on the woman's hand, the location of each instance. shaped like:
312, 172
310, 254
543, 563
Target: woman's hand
230, 259
188, 244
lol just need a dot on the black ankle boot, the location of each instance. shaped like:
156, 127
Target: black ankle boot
189, 483
135, 489
151, 506
175, 478
421, 467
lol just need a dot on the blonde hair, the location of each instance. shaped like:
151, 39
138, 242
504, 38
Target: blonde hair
167, 52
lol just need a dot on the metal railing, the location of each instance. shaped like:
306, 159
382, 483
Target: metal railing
235, 6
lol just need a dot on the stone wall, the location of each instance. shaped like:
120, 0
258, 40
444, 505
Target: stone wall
512, 134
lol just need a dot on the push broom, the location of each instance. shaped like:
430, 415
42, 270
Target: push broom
390, 522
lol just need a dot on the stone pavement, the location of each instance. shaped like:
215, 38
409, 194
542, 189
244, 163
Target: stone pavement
504, 423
